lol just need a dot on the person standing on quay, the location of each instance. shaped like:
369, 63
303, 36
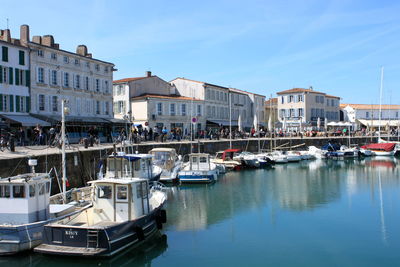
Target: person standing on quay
164, 133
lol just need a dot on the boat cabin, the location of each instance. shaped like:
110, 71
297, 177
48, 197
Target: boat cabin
164, 157
199, 161
228, 154
129, 166
119, 200
24, 198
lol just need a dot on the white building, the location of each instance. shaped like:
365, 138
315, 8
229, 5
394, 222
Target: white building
365, 115
14, 82
217, 105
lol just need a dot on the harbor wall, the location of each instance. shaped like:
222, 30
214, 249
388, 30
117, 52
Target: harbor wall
83, 165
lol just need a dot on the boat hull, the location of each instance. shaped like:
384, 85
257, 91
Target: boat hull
198, 176
76, 241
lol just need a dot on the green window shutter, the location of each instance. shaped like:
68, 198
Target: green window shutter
28, 104
11, 103
5, 53
1, 102
17, 104
16, 76
21, 57
1, 74
11, 75
27, 78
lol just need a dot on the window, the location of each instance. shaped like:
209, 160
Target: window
87, 65
172, 109
300, 98
97, 107
122, 192
21, 104
21, 55
183, 109
313, 113
66, 79
332, 102
141, 190
300, 112
53, 56
291, 112
291, 98
97, 85
198, 110
106, 87
106, 69
367, 115
104, 191
4, 50
66, 59
40, 75
121, 107
78, 105
18, 191
41, 189
4, 191
87, 83
32, 190
107, 108
47, 187
97, 67
397, 114
159, 108
77, 81
54, 77
40, 53
5, 102
54, 103
41, 102
282, 99
76, 62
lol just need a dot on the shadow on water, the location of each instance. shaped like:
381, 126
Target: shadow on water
135, 256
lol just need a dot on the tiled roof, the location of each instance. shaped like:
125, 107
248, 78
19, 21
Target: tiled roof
272, 101
245, 92
298, 90
177, 97
125, 80
370, 106
200, 82
332, 96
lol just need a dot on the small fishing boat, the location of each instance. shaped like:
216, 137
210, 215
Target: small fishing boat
25, 207
198, 169
125, 212
249, 160
121, 165
226, 158
382, 149
278, 157
292, 156
168, 160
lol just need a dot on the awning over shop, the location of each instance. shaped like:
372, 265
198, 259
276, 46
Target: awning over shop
54, 119
26, 120
382, 123
117, 121
339, 124
222, 122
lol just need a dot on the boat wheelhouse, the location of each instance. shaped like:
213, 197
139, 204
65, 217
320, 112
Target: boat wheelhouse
198, 169
226, 158
123, 165
169, 161
124, 212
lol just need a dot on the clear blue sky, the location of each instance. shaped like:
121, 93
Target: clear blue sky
337, 47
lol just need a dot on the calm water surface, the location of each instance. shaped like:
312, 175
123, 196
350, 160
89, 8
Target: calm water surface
318, 213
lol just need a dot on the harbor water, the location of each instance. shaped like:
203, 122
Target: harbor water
315, 213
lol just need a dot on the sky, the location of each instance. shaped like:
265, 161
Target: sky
337, 47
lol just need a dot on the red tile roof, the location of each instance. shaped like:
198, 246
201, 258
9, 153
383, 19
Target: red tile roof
130, 79
272, 101
177, 97
303, 90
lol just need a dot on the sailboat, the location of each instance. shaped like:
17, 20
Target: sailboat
381, 148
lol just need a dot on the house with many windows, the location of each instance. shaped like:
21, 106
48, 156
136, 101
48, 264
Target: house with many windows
15, 101
299, 107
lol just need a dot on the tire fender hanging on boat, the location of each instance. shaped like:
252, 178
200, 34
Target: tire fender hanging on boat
139, 233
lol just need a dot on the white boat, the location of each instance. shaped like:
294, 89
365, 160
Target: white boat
306, 155
25, 207
249, 159
121, 165
168, 160
226, 158
292, 156
198, 169
125, 212
317, 152
278, 157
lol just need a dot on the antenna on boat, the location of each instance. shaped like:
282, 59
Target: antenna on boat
32, 163
64, 111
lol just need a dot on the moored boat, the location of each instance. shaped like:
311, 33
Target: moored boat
226, 158
198, 169
169, 161
381, 149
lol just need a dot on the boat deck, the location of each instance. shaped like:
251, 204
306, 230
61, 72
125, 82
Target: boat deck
71, 251
102, 224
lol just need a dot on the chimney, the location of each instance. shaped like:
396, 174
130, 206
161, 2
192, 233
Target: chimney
5, 36
148, 73
24, 35
48, 40
37, 39
57, 46
81, 50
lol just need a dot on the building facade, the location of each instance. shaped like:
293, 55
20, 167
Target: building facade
271, 113
364, 115
299, 107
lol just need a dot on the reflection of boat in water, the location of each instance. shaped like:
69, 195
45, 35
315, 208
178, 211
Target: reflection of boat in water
382, 162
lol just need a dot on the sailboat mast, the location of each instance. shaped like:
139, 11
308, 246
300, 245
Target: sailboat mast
230, 120
64, 167
380, 106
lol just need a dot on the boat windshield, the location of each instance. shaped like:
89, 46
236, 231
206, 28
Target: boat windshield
162, 156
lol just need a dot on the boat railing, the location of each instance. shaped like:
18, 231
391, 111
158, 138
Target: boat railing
155, 185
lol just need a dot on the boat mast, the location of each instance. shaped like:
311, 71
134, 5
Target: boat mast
380, 106
64, 167
230, 120
191, 125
